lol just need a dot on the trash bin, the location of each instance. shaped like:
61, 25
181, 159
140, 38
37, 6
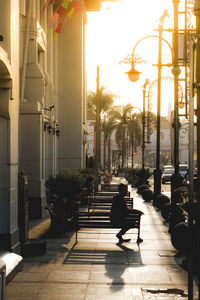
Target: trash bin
23, 206
2, 279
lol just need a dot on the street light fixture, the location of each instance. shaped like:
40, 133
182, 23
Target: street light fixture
133, 74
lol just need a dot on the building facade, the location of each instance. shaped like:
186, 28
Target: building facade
42, 101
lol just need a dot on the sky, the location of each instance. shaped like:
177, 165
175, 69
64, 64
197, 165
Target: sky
111, 35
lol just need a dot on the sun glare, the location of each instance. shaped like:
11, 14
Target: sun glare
111, 35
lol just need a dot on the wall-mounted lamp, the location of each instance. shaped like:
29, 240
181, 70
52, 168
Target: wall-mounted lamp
56, 130
49, 108
47, 127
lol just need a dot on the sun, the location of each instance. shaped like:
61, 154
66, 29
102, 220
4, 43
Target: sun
111, 35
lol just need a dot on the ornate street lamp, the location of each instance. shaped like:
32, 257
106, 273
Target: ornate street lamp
143, 121
133, 74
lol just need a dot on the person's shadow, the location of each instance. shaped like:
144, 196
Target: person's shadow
116, 262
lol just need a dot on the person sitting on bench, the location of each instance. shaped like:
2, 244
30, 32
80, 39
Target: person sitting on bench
120, 212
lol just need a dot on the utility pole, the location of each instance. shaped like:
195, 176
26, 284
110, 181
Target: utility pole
97, 146
197, 13
123, 145
143, 121
175, 180
197, 86
157, 171
132, 142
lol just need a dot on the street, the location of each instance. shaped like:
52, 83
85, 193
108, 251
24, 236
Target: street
165, 188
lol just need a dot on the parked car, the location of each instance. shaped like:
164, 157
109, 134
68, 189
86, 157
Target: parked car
166, 175
183, 169
151, 170
168, 167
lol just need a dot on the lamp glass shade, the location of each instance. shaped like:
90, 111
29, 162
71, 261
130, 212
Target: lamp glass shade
181, 105
133, 75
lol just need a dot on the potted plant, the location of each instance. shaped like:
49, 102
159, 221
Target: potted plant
63, 188
89, 185
143, 176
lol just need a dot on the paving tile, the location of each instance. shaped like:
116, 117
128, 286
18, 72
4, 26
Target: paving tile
75, 267
107, 246
85, 246
69, 289
151, 277
75, 276
39, 267
180, 277
112, 291
114, 277
151, 260
27, 276
23, 289
59, 297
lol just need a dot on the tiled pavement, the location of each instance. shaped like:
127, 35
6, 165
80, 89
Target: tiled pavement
99, 268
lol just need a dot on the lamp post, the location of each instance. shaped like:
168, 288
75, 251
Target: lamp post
132, 140
97, 140
134, 76
143, 121
197, 13
175, 179
157, 171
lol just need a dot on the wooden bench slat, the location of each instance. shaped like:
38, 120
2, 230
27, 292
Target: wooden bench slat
108, 201
109, 193
99, 213
96, 202
106, 198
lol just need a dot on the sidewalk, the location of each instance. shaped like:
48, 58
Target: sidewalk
99, 268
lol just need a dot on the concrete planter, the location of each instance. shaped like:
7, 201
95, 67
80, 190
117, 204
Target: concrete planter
183, 238
147, 195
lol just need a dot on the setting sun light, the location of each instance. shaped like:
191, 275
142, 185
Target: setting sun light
111, 35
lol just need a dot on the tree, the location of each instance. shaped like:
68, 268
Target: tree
111, 121
105, 102
134, 133
130, 126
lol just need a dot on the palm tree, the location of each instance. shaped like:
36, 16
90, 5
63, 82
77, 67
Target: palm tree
134, 133
105, 102
133, 124
111, 121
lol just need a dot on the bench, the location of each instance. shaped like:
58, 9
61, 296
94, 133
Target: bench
60, 222
105, 202
101, 219
109, 187
110, 193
